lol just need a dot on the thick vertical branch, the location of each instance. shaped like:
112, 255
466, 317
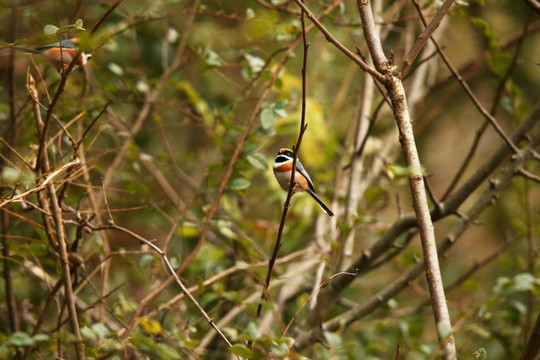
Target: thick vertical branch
353, 195
532, 350
66, 274
12, 136
425, 224
396, 93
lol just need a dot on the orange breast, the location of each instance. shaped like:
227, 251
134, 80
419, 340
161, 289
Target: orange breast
61, 58
283, 176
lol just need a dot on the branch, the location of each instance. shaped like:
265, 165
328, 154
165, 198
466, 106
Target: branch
170, 268
489, 117
535, 5
487, 199
105, 16
424, 36
44, 184
339, 45
396, 92
66, 273
533, 345
372, 37
330, 293
290, 193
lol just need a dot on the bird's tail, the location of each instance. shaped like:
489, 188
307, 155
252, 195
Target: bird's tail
25, 50
320, 202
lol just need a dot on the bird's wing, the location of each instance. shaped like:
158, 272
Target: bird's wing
301, 170
68, 44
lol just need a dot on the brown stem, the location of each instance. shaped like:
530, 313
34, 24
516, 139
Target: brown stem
532, 351
394, 86
66, 274
339, 45
424, 36
290, 193
330, 293
487, 199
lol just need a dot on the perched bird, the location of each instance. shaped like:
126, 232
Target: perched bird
60, 54
302, 182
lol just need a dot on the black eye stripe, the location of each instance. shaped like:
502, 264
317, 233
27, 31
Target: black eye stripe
282, 158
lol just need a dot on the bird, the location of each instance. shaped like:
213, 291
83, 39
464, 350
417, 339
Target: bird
60, 54
302, 182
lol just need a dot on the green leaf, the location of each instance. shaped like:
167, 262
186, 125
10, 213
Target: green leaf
258, 161
101, 330
524, 282
145, 260
239, 184
41, 337
268, 118
265, 132
242, 351
79, 25
20, 338
197, 101
10, 175
115, 69
255, 63
39, 249
444, 330
50, 29
213, 59
520, 283
168, 352
280, 112
480, 354
88, 334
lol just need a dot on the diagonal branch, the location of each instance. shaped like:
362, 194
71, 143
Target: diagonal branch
374, 302
331, 292
339, 45
489, 117
424, 36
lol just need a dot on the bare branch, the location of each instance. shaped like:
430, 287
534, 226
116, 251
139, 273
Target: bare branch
374, 302
339, 45
290, 193
535, 5
424, 36
489, 117
396, 92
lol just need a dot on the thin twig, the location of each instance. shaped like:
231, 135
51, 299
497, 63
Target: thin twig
168, 264
44, 184
104, 17
424, 36
489, 117
374, 302
170, 268
535, 5
339, 45
480, 131
292, 183
329, 294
